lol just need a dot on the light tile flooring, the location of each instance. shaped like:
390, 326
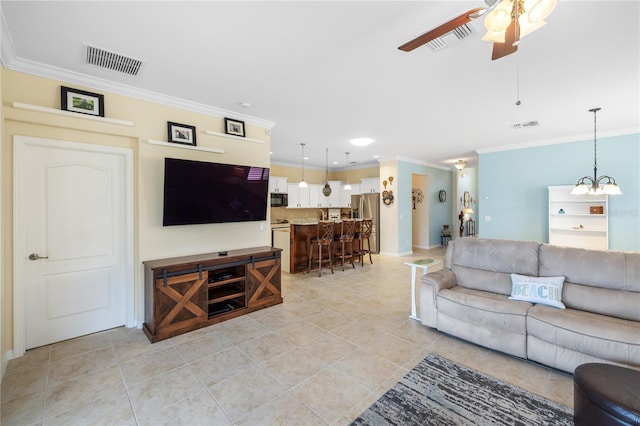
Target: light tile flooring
331, 349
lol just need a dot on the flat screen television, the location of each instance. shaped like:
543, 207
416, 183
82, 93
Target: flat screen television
197, 192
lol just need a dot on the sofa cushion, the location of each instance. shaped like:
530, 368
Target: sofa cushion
487, 264
596, 335
485, 309
543, 290
484, 318
604, 282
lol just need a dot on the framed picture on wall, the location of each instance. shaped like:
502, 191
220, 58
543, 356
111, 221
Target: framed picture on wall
76, 100
181, 133
234, 127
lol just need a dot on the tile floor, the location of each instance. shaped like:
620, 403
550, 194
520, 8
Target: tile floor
331, 349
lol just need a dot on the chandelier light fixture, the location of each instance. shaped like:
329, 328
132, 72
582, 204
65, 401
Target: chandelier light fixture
347, 187
302, 183
610, 187
529, 13
460, 165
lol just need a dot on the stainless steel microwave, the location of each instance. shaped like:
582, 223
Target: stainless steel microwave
279, 200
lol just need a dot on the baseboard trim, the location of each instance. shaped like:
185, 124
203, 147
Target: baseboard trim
8, 355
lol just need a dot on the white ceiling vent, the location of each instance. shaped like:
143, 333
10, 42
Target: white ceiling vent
112, 61
460, 33
526, 124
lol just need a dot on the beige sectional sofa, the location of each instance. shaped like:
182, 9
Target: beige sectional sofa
469, 298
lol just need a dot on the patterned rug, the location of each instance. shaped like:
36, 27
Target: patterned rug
440, 392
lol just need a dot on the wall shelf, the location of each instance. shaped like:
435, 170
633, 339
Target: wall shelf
178, 145
21, 105
239, 138
577, 226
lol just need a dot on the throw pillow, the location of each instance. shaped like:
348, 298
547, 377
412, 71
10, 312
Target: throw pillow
543, 290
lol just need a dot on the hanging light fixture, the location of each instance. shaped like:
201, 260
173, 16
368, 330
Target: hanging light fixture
302, 183
347, 187
460, 165
529, 13
610, 187
326, 191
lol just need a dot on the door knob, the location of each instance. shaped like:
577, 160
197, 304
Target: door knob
36, 256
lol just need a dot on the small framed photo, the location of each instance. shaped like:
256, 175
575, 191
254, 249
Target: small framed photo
181, 133
75, 100
234, 127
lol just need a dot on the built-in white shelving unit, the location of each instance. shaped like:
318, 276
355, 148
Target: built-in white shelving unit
183, 146
48, 110
576, 221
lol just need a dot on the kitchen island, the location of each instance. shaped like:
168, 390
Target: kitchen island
301, 234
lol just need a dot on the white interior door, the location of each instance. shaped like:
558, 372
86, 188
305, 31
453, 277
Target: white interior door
72, 203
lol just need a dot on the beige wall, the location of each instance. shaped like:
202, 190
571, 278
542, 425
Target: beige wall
318, 176
151, 239
389, 215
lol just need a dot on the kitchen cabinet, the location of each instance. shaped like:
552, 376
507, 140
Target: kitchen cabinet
334, 199
370, 185
278, 184
316, 197
345, 194
298, 197
578, 220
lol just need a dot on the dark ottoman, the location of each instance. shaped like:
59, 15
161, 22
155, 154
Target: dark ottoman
606, 394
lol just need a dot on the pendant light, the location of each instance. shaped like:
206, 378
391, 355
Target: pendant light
326, 191
302, 183
609, 188
347, 187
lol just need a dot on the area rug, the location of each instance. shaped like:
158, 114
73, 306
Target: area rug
441, 392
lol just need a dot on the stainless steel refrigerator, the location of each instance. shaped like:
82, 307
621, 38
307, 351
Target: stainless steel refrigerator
365, 206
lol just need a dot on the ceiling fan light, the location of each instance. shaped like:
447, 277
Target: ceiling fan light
541, 9
494, 36
527, 27
497, 20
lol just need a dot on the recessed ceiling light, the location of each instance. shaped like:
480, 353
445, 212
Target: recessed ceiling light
335, 162
376, 156
245, 105
306, 158
361, 141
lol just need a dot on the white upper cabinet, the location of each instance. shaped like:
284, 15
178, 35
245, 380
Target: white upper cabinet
278, 184
298, 197
370, 185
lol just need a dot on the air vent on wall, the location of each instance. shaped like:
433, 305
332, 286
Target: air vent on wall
112, 61
526, 124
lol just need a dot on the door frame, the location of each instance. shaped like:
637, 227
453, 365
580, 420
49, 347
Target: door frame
19, 234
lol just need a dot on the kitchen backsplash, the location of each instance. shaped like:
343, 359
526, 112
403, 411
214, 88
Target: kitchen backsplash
281, 213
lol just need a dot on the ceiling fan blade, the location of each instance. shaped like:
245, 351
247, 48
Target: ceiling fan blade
511, 40
441, 30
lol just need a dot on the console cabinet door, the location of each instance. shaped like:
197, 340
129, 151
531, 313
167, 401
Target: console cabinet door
263, 283
181, 303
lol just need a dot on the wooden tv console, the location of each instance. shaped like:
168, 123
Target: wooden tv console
186, 293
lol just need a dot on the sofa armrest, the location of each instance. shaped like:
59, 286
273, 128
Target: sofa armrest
430, 286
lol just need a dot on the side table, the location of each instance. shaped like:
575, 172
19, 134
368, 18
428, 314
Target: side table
423, 264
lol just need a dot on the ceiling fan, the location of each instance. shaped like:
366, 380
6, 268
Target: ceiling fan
506, 22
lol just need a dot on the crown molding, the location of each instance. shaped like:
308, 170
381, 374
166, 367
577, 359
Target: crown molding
555, 141
12, 62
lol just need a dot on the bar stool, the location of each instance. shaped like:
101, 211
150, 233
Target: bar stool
364, 234
323, 238
344, 241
